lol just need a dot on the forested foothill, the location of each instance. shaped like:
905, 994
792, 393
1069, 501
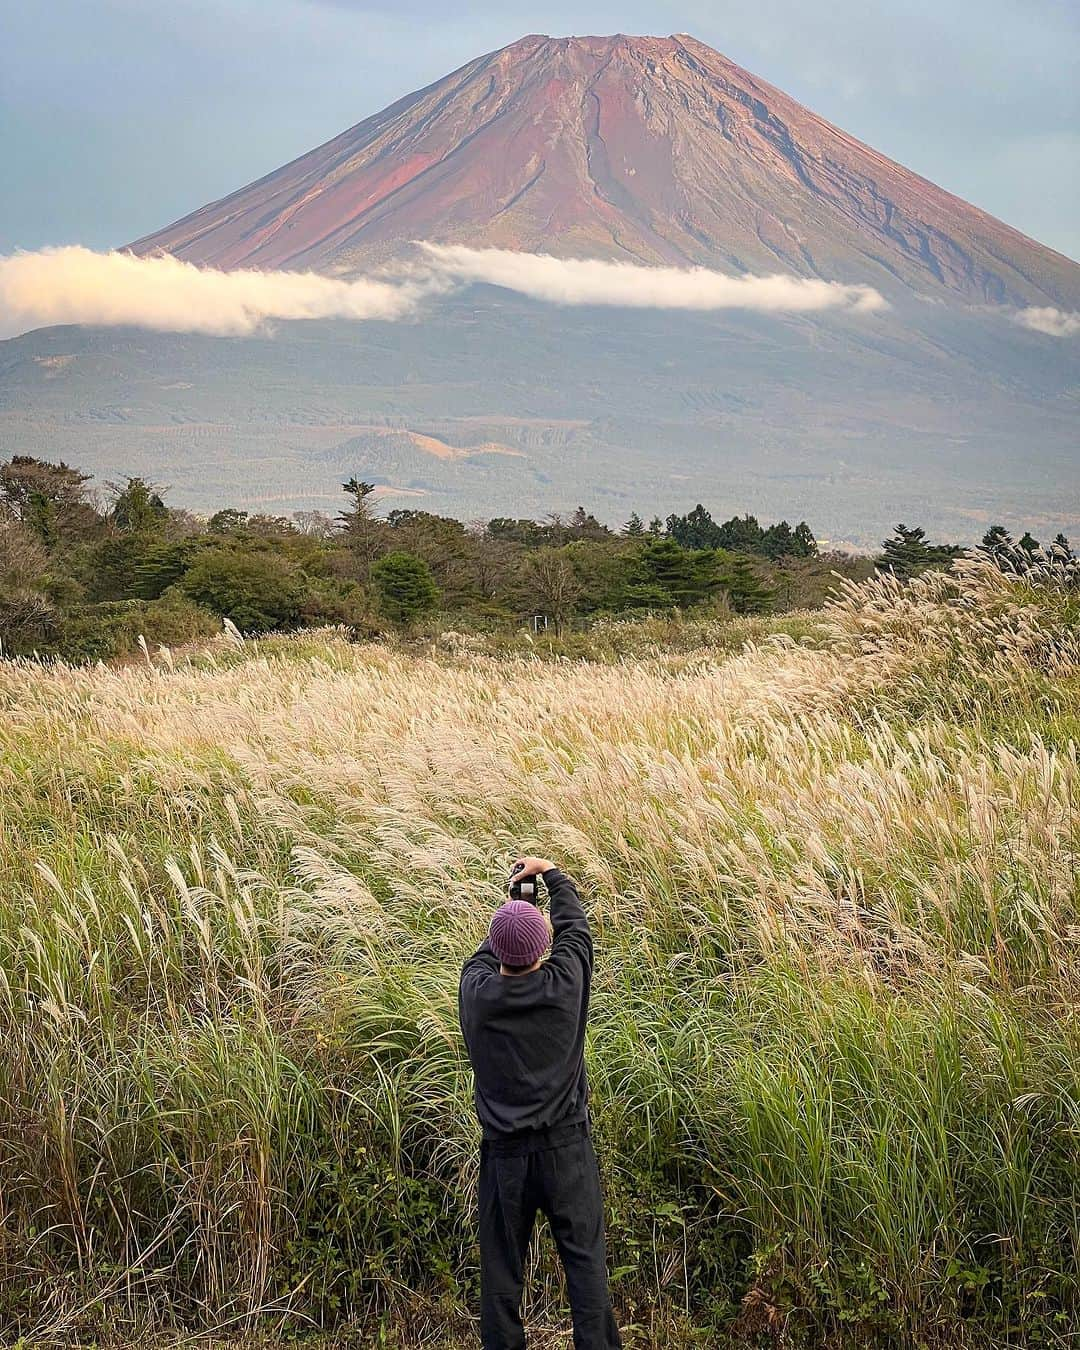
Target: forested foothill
87, 571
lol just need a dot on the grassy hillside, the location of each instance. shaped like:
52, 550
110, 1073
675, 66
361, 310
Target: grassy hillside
835, 1041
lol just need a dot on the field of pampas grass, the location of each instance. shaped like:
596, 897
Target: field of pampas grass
835, 1045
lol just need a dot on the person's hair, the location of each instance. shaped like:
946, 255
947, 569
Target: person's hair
518, 970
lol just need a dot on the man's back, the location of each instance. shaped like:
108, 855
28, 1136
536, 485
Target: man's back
526, 1033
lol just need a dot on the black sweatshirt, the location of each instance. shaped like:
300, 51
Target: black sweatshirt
526, 1033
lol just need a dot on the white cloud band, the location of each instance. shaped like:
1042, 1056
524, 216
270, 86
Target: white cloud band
592, 281
1057, 323
77, 285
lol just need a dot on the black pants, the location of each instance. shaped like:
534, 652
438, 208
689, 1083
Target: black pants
562, 1181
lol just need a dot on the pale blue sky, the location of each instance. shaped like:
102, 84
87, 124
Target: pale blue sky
117, 116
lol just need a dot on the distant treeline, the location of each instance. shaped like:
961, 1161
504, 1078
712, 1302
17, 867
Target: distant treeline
84, 575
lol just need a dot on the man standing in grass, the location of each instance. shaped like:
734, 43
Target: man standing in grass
523, 1018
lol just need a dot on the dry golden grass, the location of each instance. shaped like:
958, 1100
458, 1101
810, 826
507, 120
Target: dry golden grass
834, 1047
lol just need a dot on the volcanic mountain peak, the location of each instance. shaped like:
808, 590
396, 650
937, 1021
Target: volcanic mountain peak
649, 149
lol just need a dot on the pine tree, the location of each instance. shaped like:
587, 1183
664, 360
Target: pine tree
668, 575
805, 543
741, 534
405, 586
359, 491
696, 529
162, 563
669, 570
747, 592
1009, 554
362, 531
634, 527
908, 553
779, 541
997, 541
656, 527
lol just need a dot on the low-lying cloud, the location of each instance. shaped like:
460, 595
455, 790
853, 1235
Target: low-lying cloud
591, 281
77, 285
1057, 323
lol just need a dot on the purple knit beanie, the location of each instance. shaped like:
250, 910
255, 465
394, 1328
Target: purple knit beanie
519, 933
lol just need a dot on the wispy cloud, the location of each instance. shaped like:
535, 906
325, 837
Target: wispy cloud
77, 285
1057, 323
590, 281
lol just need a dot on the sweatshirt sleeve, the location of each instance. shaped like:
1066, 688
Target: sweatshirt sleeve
572, 943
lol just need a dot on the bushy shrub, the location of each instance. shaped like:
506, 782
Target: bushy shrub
106, 631
256, 590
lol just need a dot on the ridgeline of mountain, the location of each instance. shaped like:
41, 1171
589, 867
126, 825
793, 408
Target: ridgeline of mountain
658, 150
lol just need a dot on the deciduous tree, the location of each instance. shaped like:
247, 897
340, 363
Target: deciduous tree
551, 585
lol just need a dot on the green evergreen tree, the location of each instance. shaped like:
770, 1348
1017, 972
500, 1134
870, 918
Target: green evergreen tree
634, 527
696, 529
805, 543
669, 568
997, 540
405, 586
116, 561
362, 532
779, 541
358, 492
666, 575
741, 534
161, 564
908, 553
656, 527
747, 592
1010, 555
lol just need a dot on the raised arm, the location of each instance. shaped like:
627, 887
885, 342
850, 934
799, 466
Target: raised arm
572, 942
568, 918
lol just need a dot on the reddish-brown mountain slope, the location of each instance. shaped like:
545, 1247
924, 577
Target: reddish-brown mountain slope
651, 149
